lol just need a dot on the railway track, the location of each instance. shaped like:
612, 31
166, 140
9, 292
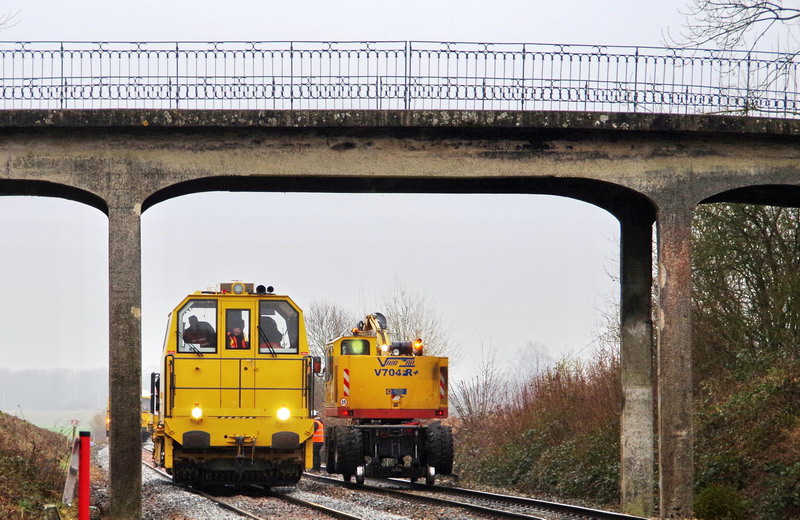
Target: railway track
491, 504
329, 511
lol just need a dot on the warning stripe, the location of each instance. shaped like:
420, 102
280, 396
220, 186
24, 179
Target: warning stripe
346, 377
442, 386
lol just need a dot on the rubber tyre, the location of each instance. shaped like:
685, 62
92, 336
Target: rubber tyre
330, 449
347, 452
446, 453
433, 447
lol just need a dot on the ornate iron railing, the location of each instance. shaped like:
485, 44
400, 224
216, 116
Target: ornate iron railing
395, 75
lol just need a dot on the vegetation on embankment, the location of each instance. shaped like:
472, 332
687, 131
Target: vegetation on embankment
557, 431
557, 434
32, 468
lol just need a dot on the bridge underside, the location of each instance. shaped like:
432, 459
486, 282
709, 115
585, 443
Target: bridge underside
644, 169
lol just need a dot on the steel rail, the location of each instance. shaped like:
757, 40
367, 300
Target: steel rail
530, 502
493, 512
286, 498
213, 499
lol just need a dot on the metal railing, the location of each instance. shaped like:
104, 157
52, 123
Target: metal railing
395, 75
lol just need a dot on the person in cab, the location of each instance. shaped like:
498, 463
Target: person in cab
236, 338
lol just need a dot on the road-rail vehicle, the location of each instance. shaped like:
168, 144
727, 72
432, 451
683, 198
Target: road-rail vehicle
392, 398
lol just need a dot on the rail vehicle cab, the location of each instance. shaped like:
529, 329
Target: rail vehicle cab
366, 381
146, 419
235, 389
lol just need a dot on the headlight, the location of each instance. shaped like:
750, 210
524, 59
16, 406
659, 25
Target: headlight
197, 412
385, 348
284, 413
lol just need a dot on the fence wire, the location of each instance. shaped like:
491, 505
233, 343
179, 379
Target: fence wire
383, 75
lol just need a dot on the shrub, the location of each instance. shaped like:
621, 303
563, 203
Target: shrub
719, 502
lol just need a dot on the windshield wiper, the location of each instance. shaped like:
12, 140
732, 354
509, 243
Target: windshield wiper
266, 342
191, 346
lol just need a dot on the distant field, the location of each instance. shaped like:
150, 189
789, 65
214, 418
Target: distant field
57, 420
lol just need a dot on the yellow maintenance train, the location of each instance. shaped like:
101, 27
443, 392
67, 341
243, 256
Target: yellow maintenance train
234, 394
392, 398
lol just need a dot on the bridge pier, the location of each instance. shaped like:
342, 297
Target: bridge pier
675, 428
125, 361
636, 353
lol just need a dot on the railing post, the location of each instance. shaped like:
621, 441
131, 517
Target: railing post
522, 80
177, 76
291, 75
63, 80
407, 93
636, 80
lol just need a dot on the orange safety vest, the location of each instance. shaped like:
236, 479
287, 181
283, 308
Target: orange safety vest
235, 342
319, 432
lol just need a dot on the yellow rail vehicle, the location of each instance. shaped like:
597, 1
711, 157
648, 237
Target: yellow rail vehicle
235, 390
391, 396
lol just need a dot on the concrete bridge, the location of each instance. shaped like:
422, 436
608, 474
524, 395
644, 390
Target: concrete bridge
643, 169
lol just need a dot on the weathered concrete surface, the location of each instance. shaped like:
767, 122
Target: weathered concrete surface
676, 461
636, 335
125, 361
633, 165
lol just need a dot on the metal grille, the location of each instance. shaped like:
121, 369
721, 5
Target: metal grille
395, 75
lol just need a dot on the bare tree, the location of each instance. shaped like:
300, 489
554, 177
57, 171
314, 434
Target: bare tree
476, 399
326, 321
411, 316
730, 23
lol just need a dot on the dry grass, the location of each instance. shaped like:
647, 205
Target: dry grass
32, 468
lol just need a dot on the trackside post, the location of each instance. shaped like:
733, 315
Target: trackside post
84, 469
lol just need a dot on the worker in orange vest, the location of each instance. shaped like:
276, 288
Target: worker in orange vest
318, 439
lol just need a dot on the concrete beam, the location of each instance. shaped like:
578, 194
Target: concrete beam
125, 359
675, 425
636, 351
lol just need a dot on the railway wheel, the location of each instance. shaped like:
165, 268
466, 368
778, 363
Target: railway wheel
430, 476
446, 454
360, 475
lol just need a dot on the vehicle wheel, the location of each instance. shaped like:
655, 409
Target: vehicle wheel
347, 451
433, 447
446, 454
360, 476
330, 449
430, 478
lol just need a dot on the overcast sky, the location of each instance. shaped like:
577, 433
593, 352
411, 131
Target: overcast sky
502, 270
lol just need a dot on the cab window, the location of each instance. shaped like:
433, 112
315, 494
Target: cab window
237, 329
278, 325
197, 326
355, 347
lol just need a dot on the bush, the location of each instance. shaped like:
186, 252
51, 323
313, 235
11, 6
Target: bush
719, 502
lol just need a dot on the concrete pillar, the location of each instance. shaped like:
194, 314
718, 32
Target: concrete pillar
125, 361
675, 430
636, 350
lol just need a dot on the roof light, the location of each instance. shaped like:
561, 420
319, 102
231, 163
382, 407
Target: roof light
238, 288
417, 347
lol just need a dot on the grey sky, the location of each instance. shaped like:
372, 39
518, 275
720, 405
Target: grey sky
502, 270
